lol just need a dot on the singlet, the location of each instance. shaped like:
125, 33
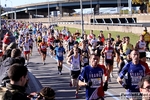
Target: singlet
90, 37
75, 66
117, 44
85, 56
45, 37
101, 45
31, 42
43, 46
70, 45
26, 46
142, 46
109, 53
126, 47
50, 41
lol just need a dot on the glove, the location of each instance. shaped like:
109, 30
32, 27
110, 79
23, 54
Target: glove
105, 87
125, 86
89, 84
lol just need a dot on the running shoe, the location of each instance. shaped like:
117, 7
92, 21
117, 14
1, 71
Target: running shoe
76, 96
59, 73
43, 63
70, 84
111, 75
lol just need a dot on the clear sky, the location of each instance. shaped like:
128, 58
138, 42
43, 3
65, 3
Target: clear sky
20, 2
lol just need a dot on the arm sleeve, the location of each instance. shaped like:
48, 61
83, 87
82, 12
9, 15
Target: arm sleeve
124, 71
82, 75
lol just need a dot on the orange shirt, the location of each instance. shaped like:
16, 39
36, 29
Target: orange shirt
43, 46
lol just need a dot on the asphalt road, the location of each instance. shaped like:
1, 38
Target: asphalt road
48, 76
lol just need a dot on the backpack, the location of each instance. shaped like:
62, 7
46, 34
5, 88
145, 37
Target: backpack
7, 94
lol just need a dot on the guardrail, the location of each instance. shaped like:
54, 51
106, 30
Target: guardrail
108, 24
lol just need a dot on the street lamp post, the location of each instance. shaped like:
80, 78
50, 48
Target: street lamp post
119, 6
130, 7
36, 12
11, 8
91, 9
48, 13
0, 14
82, 23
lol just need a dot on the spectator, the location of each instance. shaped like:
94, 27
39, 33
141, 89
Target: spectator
146, 36
144, 86
15, 90
6, 41
6, 65
47, 93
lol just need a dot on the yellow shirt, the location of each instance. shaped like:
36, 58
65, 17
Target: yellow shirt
146, 36
127, 47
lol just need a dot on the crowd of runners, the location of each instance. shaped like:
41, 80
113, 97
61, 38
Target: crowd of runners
90, 57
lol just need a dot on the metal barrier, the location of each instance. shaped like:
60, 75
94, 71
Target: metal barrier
108, 24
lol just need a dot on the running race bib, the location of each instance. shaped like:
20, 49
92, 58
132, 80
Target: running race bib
135, 80
96, 82
76, 66
100, 47
43, 47
108, 55
60, 54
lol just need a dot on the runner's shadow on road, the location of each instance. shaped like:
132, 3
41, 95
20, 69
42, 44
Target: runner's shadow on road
115, 87
113, 82
108, 96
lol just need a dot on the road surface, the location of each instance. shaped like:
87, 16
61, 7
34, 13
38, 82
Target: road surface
48, 76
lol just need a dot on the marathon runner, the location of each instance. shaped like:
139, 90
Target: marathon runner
92, 78
135, 71
74, 61
59, 51
116, 45
43, 49
109, 53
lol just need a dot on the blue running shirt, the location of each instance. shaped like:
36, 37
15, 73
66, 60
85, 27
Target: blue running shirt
59, 53
96, 76
135, 73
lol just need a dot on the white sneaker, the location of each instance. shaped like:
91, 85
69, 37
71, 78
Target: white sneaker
60, 73
111, 75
